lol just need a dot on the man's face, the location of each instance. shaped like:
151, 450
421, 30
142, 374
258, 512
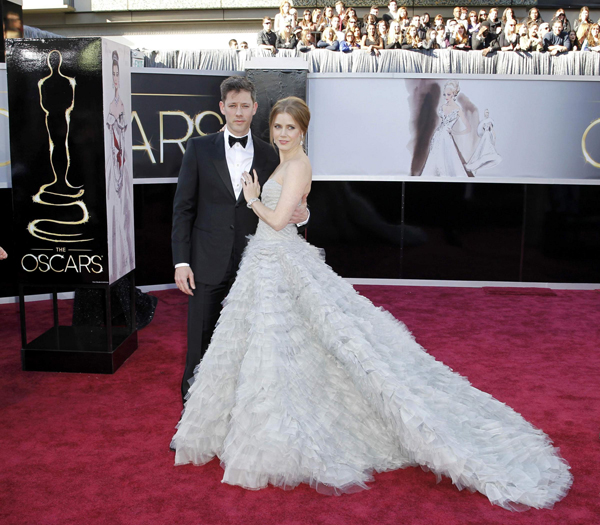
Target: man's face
267, 26
557, 28
393, 7
375, 11
238, 109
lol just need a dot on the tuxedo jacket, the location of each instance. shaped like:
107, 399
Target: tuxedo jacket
209, 223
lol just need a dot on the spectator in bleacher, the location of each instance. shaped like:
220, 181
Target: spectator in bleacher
350, 13
233, 44
483, 16
371, 19
532, 41
321, 21
394, 38
373, 11
560, 15
582, 24
451, 29
543, 29
431, 42
393, 13
479, 41
286, 39
557, 41
426, 21
592, 41
352, 24
243, 45
349, 43
267, 39
382, 29
307, 41
412, 40
474, 24
438, 23
464, 16
533, 17
509, 39
455, 15
508, 14
403, 18
442, 38
493, 22
575, 45
340, 10
357, 34
329, 40
460, 39
306, 24
416, 21
335, 23
371, 41
328, 15
316, 16
283, 16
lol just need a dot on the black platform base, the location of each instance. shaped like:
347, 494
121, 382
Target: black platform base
79, 349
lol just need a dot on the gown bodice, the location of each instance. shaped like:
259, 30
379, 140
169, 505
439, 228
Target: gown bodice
271, 191
447, 120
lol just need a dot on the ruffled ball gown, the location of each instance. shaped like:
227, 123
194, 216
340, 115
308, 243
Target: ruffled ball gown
485, 155
306, 381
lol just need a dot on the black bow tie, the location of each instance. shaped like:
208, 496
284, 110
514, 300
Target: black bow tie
242, 140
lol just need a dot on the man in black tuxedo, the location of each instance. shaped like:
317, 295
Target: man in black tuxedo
211, 221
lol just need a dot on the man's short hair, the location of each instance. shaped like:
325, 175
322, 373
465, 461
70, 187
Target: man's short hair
232, 42
266, 18
237, 84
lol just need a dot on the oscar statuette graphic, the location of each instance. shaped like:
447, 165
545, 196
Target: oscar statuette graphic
57, 101
584, 149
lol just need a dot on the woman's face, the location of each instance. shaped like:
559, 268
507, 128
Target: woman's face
412, 31
328, 12
382, 28
448, 94
509, 13
285, 8
572, 36
350, 38
357, 33
115, 75
460, 30
585, 13
316, 15
439, 22
402, 12
351, 12
425, 18
285, 132
533, 31
371, 30
534, 14
595, 31
307, 15
395, 27
523, 30
482, 15
473, 18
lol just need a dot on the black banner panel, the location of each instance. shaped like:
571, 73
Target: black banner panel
168, 109
69, 102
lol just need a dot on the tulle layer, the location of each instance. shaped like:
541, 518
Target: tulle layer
305, 381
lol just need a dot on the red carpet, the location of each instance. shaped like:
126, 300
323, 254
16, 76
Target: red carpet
93, 449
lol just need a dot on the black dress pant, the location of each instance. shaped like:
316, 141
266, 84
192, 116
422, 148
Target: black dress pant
204, 309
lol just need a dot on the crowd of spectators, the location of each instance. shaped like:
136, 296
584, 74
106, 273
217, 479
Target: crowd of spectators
338, 28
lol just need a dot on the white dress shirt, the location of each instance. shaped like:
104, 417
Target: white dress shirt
239, 159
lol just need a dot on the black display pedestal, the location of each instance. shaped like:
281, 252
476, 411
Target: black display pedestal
80, 349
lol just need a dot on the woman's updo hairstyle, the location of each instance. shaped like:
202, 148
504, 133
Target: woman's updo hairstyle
115, 59
454, 87
296, 108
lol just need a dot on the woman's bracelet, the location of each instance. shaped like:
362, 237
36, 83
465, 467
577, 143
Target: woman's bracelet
251, 201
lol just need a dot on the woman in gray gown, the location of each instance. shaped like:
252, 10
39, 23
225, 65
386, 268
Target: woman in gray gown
305, 381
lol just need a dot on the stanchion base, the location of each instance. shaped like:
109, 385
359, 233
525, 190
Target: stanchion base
79, 349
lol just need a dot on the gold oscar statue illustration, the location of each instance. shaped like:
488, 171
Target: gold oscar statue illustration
588, 157
57, 100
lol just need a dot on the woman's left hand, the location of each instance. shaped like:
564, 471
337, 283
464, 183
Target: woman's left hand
250, 186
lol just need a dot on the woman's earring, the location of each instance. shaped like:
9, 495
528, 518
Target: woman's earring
302, 140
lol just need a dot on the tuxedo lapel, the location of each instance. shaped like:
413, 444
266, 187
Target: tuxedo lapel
220, 162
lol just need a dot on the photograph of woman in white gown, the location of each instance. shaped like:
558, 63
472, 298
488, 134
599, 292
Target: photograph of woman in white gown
306, 381
444, 158
485, 155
